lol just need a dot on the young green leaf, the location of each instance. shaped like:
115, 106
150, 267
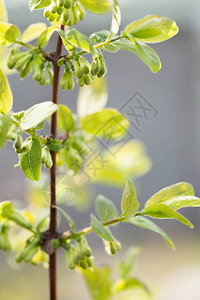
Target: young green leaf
92, 98
45, 36
65, 119
67, 217
100, 230
152, 29
148, 224
100, 37
116, 19
3, 12
66, 42
98, 282
79, 40
8, 33
107, 123
170, 192
162, 211
6, 98
97, 6
33, 32
183, 201
5, 124
37, 113
106, 209
31, 159
144, 52
37, 4
129, 203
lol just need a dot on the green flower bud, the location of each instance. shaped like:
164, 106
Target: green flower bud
67, 4
46, 13
70, 81
61, 61
77, 69
28, 252
81, 82
26, 71
80, 250
84, 264
64, 81
50, 73
4, 241
95, 68
81, 11
37, 75
46, 158
20, 64
102, 69
16, 57
75, 13
55, 244
52, 17
85, 247
70, 22
86, 79
84, 65
18, 142
61, 2
70, 258
59, 10
89, 262
112, 247
43, 79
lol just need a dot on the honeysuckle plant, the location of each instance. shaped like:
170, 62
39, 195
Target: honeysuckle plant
81, 63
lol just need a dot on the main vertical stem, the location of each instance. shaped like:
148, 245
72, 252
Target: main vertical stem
52, 227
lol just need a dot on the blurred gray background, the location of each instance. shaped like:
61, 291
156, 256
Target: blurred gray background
172, 138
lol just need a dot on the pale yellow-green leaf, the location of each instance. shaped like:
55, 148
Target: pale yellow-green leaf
5, 124
92, 98
33, 32
152, 29
65, 119
130, 159
107, 123
170, 192
8, 33
116, 19
6, 98
183, 201
129, 203
45, 36
162, 211
3, 12
97, 6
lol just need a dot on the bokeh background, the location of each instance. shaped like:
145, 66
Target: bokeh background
172, 140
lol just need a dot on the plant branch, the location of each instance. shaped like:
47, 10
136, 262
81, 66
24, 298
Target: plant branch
52, 228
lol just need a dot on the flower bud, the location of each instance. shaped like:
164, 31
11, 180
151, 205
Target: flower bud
55, 244
95, 68
55, 145
26, 71
18, 142
46, 13
46, 158
86, 79
85, 247
84, 264
69, 256
102, 69
77, 69
67, 4
50, 73
61, 2
75, 13
81, 82
4, 241
81, 11
84, 65
70, 21
89, 262
52, 17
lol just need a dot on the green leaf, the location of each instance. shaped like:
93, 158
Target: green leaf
92, 98
33, 32
100, 37
148, 224
130, 159
45, 36
79, 40
144, 52
162, 211
107, 123
128, 263
106, 209
66, 42
100, 230
37, 4
65, 119
152, 29
3, 12
37, 113
73, 159
129, 203
116, 19
67, 217
8, 33
31, 159
6, 98
183, 201
130, 288
5, 124
170, 192
98, 282
97, 6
